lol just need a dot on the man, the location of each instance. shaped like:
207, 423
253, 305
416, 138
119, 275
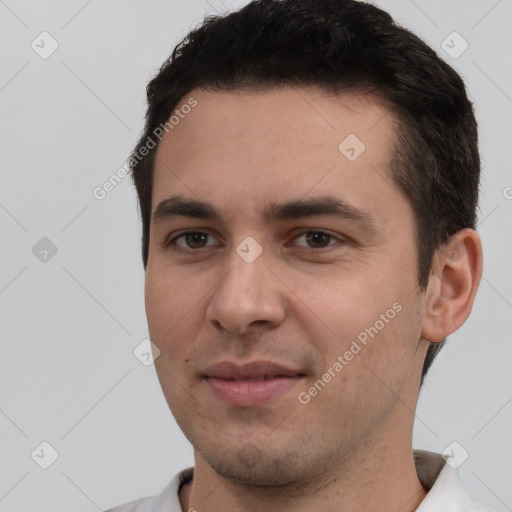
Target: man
308, 215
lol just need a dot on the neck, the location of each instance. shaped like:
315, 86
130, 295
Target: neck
382, 478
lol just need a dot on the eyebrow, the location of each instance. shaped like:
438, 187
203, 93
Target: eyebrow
177, 205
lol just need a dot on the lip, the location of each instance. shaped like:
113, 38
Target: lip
255, 370
249, 384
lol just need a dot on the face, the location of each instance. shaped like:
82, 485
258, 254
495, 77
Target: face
297, 252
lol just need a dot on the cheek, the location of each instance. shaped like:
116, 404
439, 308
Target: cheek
175, 313
157, 304
363, 317
169, 292
341, 305
166, 303
366, 366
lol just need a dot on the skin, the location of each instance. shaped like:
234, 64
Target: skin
301, 303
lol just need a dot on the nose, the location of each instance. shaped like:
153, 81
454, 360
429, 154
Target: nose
249, 294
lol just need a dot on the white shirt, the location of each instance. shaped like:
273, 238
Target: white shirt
445, 490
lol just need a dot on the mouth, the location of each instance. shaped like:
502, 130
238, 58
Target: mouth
254, 379
250, 384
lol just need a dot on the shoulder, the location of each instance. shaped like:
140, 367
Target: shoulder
166, 501
439, 474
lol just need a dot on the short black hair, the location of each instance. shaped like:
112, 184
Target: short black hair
337, 45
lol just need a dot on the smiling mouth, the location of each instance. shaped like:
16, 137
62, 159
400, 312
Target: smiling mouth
257, 379
251, 391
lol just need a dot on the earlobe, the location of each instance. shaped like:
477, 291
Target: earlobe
456, 273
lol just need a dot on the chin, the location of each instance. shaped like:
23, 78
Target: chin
260, 475
249, 466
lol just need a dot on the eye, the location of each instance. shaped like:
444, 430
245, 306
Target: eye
191, 240
318, 239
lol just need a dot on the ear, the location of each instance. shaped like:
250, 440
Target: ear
454, 280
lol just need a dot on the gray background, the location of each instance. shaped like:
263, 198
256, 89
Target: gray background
69, 325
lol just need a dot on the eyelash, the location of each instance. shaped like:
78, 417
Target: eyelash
175, 247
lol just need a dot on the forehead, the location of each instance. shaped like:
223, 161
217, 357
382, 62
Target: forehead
286, 112
254, 146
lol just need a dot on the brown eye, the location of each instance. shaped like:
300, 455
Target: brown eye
191, 240
318, 239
